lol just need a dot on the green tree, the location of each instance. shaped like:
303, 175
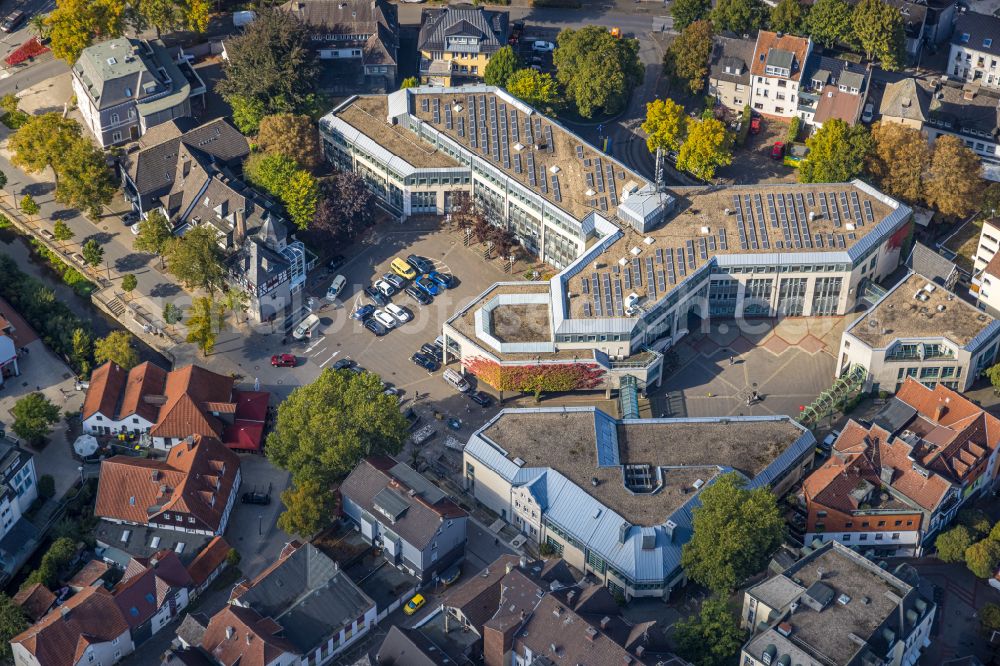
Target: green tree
597, 71
990, 204
712, 638
12, 623
34, 417
46, 486
878, 28
129, 283
171, 314
324, 428
29, 206
270, 171
92, 252
195, 259
535, 88
409, 82
989, 617
708, 146
233, 558
237, 302
738, 16
794, 127
899, 159
9, 103
995, 532
294, 136
735, 532
977, 520
953, 182
837, 153
787, 16
82, 351
39, 26
61, 232
829, 22
42, 141
60, 553
689, 53
665, 125
3, 181
247, 113
982, 558
204, 323
271, 67
993, 374
76, 24
309, 507
300, 195
84, 179
155, 232
686, 12
116, 347
501, 66
951, 545
170, 15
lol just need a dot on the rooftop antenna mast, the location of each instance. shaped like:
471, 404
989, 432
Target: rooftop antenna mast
660, 185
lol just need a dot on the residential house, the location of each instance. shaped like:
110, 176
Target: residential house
891, 485
620, 507
152, 592
35, 600
8, 350
161, 408
985, 284
832, 88
356, 42
192, 490
125, 86
925, 22
418, 527
922, 331
941, 107
87, 629
19, 537
974, 56
208, 564
301, 610
932, 265
729, 79
456, 42
776, 68
407, 647
160, 163
835, 607
92, 573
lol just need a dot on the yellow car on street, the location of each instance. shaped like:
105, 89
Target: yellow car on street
402, 268
414, 604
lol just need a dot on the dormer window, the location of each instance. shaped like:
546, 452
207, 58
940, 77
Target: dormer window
128, 92
964, 39
987, 43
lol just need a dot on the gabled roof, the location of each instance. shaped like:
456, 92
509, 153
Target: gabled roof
187, 391
407, 647
106, 385
208, 560
834, 103
241, 636
932, 265
977, 32
196, 480
92, 572
146, 586
489, 27
35, 600
729, 55
905, 99
786, 51
61, 637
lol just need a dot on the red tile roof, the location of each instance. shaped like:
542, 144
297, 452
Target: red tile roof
208, 560
237, 635
189, 392
196, 480
89, 574
767, 40
143, 380
106, 385
836, 104
35, 600
61, 637
244, 436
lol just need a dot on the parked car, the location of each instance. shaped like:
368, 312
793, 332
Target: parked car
446, 281
427, 285
78, 258
457, 381
543, 46
377, 297
343, 364
362, 313
336, 287
306, 327
375, 327
13, 20
401, 314
384, 318
283, 360
254, 497
828, 441
128, 219
433, 350
869, 113
755, 124
418, 296
419, 263
397, 282
46, 234
480, 398
426, 362
336, 262
385, 288
414, 604
778, 150
402, 268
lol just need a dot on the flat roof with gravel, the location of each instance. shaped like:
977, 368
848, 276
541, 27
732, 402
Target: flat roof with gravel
368, 114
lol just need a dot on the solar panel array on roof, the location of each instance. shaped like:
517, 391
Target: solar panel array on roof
812, 199
543, 184
447, 116
650, 284
627, 277
579, 152
504, 137
758, 207
840, 241
437, 111
599, 175
818, 240
538, 129
590, 180
637, 271
556, 194
494, 129
603, 204
689, 246
513, 126
483, 127
595, 292
800, 208
856, 208
517, 163
740, 225
461, 126
868, 211
586, 286
587, 312
425, 104
703, 249
723, 245
550, 145
473, 129
671, 275
531, 170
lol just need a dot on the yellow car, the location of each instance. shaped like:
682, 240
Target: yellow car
402, 268
414, 604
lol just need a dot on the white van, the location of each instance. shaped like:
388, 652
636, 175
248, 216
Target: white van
455, 378
306, 328
336, 287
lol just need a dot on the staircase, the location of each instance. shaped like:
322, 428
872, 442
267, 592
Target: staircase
116, 306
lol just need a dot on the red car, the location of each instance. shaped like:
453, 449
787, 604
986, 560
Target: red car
755, 124
778, 150
283, 361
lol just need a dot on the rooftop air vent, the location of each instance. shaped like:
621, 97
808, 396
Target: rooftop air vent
705, 231
518, 462
648, 240
843, 600
850, 226
554, 169
635, 251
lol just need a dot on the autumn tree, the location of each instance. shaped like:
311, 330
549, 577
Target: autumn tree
76, 24
837, 153
204, 323
878, 28
43, 141
309, 507
689, 53
170, 15
738, 16
297, 190
195, 259
346, 207
29, 206
665, 125
829, 22
990, 204
501, 67
954, 179
85, 181
538, 89
294, 136
787, 16
129, 283
686, 12
951, 545
597, 71
899, 158
708, 146
982, 558
116, 347
409, 82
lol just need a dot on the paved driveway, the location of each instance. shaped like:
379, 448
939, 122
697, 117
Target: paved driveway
252, 529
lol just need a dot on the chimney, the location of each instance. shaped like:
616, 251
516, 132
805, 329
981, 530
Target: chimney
64, 611
640, 650
523, 562
605, 621
509, 567
570, 596
239, 227
939, 411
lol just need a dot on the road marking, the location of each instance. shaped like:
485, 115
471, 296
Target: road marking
332, 356
317, 353
313, 345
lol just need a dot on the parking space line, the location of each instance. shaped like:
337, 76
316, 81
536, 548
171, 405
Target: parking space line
332, 356
318, 352
313, 345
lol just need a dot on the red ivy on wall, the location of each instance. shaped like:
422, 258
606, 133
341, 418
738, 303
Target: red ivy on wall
552, 377
29, 49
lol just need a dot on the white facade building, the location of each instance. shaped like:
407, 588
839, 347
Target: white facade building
776, 73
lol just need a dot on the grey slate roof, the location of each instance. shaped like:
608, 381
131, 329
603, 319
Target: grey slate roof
192, 628
905, 99
408, 647
967, 109
732, 54
121, 70
978, 32
491, 27
780, 58
833, 71
308, 595
931, 265
376, 20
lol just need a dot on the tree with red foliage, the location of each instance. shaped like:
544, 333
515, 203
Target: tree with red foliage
558, 377
346, 207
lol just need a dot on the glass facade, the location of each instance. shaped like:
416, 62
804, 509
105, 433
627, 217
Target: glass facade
722, 297
757, 297
792, 297
826, 296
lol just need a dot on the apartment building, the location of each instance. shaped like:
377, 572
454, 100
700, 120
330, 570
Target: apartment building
974, 56
729, 79
124, 86
985, 283
608, 496
776, 69
891, 485
456, 42
837, 608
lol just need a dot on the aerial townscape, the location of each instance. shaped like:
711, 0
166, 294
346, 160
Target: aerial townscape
500, 333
